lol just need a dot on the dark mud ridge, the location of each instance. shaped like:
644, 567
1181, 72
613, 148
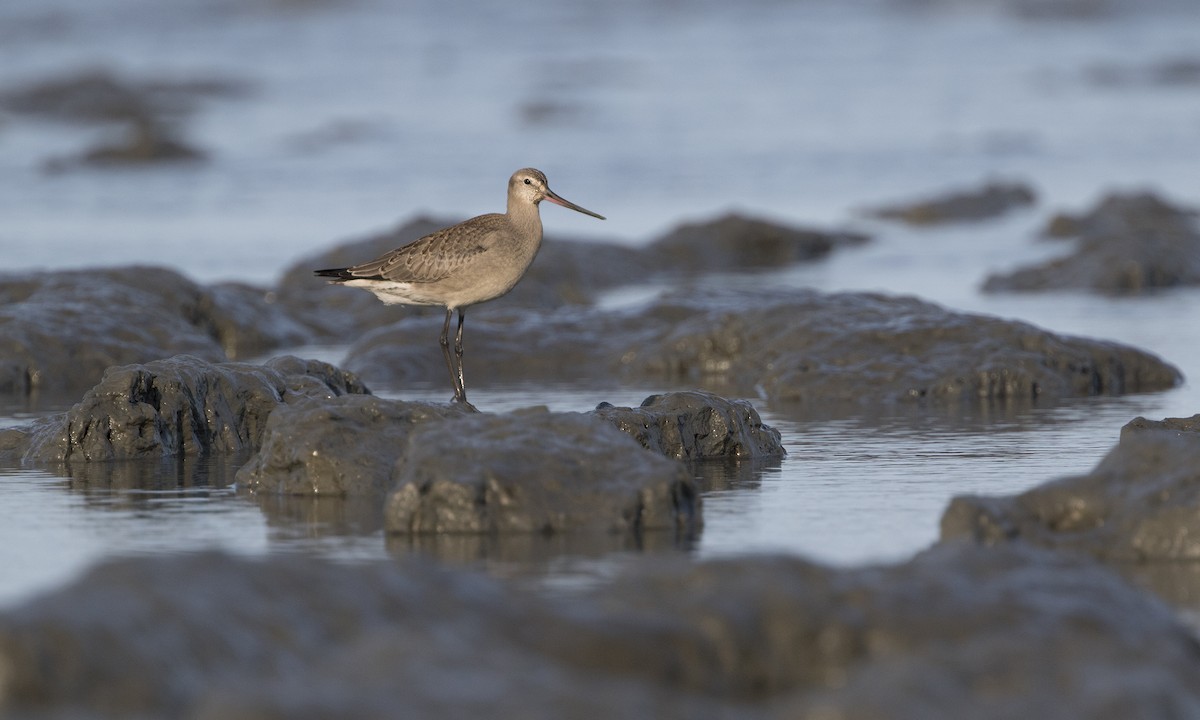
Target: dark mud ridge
1125, 245
62, 331
1029, 632
314, 429
1141, 503
787, 346
990, 201
985, 624
148, 114
955, 632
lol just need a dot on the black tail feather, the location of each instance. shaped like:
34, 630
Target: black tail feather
335, 273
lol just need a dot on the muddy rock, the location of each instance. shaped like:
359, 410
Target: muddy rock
576, 272
1179, 72
502, 345
796, 347
536, 472
1126, 244
91, 96
737, 242
876, 642
1140, 503
1029, 634
145, 142
149, 110
1048, 10
61, 331
854, 347
1170, 426
992, 200
696, 425
96, 95
248, 321
337, 446
180, 406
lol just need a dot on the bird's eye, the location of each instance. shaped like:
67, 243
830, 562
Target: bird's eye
527, 182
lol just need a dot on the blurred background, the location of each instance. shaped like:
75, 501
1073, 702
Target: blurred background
227, 138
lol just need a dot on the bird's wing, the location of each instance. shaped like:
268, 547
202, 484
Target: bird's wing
435, 256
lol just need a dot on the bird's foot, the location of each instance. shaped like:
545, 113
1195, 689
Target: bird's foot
462, 400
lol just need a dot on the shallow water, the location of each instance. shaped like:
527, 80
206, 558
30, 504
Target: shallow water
360, 114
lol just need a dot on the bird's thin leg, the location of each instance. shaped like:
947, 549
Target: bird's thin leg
458, 353
444, 341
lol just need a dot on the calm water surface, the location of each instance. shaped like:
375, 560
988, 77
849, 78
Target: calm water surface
360, 114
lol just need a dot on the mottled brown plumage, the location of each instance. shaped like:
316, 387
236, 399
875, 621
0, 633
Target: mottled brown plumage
462, 265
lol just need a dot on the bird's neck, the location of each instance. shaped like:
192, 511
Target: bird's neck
527, 218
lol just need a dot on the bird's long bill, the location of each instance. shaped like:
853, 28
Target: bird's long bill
568, 204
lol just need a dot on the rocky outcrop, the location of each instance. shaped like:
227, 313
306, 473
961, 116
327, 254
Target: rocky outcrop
797, 347
1027, 633
145, 142
861, 347
696, 426
1179, 72
91, 96
248, 321
348, 445
536, 472
179, 406
737, 242
60, 331
1140, 503
149, 110
337, 446
990, 201
503, 345
1126, 244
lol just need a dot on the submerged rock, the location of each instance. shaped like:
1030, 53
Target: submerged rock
1141, 503
179, 406
1027, 633
536, 472
992, 200
1127, 244
696, 426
